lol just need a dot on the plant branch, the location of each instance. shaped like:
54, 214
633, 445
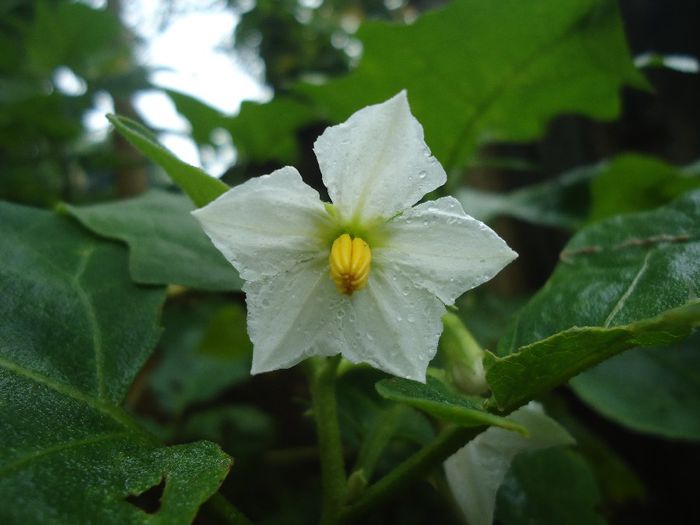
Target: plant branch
226, 511
416, 466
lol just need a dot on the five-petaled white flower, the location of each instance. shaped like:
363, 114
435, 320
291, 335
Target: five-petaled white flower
367, 276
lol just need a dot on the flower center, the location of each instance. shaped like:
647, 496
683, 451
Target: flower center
349, 263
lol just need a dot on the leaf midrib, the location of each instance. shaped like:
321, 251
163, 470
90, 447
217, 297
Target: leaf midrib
509, 79
75, 280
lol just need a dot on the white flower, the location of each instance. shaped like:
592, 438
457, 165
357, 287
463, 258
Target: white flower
477, 470
376, 294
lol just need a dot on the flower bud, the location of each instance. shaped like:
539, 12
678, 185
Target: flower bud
462, 357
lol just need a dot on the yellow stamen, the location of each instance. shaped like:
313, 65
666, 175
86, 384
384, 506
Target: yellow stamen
349, 262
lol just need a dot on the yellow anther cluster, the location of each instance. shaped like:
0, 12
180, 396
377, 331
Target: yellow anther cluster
349, 262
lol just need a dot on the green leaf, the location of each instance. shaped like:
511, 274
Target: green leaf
633, 182
264, 132
383, 432
477, 71
436, 399
361, 409
618, 482
166, 245
624, 184
625, 282
74, 332
660, 394
550, 486
560, 202
205, 350
73, 35
244, 431
476, 471
199, 186
203, 118
538, 367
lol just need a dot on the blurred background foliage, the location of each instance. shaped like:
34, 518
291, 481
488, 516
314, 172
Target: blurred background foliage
542, 131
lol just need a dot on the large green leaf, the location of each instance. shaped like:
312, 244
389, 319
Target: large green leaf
73, 35
199, 186
562, 202
628, 281
478, 70
549, 487
634, 182
263, 132
660, 393
203, 118
205, 349
74, 331
436, 399
166, 245
624, 184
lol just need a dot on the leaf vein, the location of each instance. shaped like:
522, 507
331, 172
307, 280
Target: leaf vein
95, 328
109, 410
59, 448
630, 289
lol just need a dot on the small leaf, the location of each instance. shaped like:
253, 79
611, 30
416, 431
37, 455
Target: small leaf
436, 399
166, 245
199, 186
75, 330
660, 394
383, 432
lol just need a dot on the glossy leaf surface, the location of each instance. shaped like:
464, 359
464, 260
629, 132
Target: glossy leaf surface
625, 282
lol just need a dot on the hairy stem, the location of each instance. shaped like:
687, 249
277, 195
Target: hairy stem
322, 386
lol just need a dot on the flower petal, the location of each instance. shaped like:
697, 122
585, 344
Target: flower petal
443, 249
376, 163
477, 470
291, 316
267, 224
393, 325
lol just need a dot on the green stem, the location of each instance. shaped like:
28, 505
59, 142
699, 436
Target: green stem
322, 386
377, 440
416, 466
226, 511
